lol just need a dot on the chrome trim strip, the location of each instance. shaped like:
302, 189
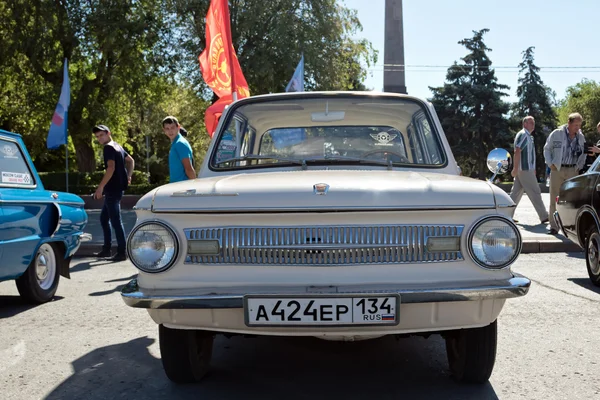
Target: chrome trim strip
133, 296
59, 219
324, 245
66, 203
321, 209
560, 224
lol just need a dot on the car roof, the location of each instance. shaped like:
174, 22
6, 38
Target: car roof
7, 133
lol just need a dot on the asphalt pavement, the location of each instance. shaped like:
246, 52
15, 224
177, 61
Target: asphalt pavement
535, 238
87, 344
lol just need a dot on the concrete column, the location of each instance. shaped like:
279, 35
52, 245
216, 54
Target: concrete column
393, 58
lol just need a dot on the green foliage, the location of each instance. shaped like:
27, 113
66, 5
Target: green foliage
132, 62
584, 98
471, 109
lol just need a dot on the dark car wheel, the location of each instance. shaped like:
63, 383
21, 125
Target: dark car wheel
472, 353
39, 283
592, 254
185, 354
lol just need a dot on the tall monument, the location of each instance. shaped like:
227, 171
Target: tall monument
393, 50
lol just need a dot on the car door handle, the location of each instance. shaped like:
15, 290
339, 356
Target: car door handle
55, 195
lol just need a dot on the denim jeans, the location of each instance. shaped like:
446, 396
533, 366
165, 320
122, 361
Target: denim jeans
111, 215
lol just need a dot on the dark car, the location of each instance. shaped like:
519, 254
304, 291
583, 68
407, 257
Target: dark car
576, 214
40, 230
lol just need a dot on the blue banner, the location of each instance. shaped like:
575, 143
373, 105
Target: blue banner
57, 135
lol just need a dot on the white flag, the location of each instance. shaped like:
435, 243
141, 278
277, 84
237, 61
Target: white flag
297, 82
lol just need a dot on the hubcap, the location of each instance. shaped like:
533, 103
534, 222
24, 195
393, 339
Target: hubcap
45, 266
594, 253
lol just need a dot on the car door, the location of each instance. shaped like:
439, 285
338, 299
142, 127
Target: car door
26, 209
578, 193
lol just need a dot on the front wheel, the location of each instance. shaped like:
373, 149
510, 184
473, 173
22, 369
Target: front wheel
185, 354
592, 254
39, 282
472, 353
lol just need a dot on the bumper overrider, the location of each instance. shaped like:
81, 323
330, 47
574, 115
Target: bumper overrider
134, 296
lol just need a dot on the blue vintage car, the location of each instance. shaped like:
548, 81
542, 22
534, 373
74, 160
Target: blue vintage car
40, 230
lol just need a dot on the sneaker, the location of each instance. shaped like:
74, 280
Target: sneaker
552, 231
516, 221
545, 221
103, 254
118, 257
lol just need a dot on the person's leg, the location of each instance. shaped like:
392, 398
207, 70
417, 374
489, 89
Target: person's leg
532, 188
556, 179
105, 223
517, 190
114, 209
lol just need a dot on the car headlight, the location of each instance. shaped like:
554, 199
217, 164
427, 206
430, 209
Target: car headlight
494, 242
152, 247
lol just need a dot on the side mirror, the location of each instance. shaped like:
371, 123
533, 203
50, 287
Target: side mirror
499, 162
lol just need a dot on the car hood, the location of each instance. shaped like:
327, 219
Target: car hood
346, 190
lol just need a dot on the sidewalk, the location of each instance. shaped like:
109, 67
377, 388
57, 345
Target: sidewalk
535, 238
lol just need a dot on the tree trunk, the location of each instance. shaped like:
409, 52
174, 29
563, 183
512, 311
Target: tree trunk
86, 159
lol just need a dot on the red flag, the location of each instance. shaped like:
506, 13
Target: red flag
220, 67
213, 113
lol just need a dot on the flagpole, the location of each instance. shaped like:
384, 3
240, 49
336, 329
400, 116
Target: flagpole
67, 165
231, 54
67, 150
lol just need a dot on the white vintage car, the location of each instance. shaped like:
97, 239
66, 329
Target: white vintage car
337, 215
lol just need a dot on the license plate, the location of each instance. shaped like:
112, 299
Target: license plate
322, 310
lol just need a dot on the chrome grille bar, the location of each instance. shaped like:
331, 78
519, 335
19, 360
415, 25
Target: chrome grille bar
324, 245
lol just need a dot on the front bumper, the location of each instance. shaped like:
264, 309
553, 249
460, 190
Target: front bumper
133, 296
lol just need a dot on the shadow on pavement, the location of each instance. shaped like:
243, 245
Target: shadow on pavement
580, 255
85, 265
106, 292
276, 368
586, 284
121, 279
13, 305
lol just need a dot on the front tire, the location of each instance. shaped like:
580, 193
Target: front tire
592, 254
472, 353
185, 354
39, 282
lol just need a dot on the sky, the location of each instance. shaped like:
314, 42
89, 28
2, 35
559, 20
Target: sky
565, 34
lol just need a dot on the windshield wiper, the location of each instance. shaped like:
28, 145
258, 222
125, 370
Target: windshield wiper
389, 163
252, 157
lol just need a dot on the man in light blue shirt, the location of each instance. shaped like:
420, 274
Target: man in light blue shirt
181, 159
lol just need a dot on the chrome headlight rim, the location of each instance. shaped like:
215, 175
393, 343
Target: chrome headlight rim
175, 241
480, 222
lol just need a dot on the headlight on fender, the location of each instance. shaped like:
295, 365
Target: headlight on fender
494, 242
152, 247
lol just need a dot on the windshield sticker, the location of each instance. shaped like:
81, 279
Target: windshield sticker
9, 150
383, 138
226, 150
288, 137
16, 178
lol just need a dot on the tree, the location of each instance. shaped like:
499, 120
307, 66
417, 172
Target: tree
471, 109
113, 48
270, 36
535, 100
584, 98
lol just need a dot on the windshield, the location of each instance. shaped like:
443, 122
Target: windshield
332, 130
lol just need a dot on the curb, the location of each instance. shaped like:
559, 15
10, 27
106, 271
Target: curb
529, 247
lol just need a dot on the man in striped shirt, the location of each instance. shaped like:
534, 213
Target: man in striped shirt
524, 170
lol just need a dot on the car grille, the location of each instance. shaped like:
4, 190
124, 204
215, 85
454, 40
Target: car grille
328, 245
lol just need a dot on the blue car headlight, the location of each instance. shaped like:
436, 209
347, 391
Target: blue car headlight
152, 247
